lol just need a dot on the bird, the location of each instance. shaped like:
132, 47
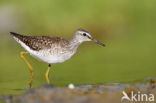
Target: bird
51, 49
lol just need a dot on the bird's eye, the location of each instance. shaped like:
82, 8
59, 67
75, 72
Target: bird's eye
84, 34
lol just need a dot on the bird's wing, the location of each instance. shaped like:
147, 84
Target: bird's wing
40, 42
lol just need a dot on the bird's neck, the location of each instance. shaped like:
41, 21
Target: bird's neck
74, 44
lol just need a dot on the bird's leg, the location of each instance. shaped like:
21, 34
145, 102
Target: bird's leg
47, 74
29, 66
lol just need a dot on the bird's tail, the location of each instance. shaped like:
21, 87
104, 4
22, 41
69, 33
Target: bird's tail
16, 35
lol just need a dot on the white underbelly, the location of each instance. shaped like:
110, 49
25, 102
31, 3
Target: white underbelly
51, 59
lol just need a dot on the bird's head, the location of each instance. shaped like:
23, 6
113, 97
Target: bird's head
83, 35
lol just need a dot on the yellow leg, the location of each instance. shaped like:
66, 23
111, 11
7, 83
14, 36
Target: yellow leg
47, 74
29, 66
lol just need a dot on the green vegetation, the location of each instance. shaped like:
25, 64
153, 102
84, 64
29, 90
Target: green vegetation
126, 27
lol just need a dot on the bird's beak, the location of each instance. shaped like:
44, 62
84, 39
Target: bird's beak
98, 42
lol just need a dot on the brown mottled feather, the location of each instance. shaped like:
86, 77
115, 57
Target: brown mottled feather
40, 42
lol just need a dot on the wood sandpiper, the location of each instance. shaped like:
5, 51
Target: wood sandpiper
51, 50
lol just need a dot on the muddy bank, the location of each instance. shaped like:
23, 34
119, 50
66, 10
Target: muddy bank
106, 93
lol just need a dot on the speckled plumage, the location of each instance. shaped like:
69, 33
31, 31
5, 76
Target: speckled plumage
41, 42
53, 50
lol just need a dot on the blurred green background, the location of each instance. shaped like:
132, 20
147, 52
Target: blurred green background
127, 27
